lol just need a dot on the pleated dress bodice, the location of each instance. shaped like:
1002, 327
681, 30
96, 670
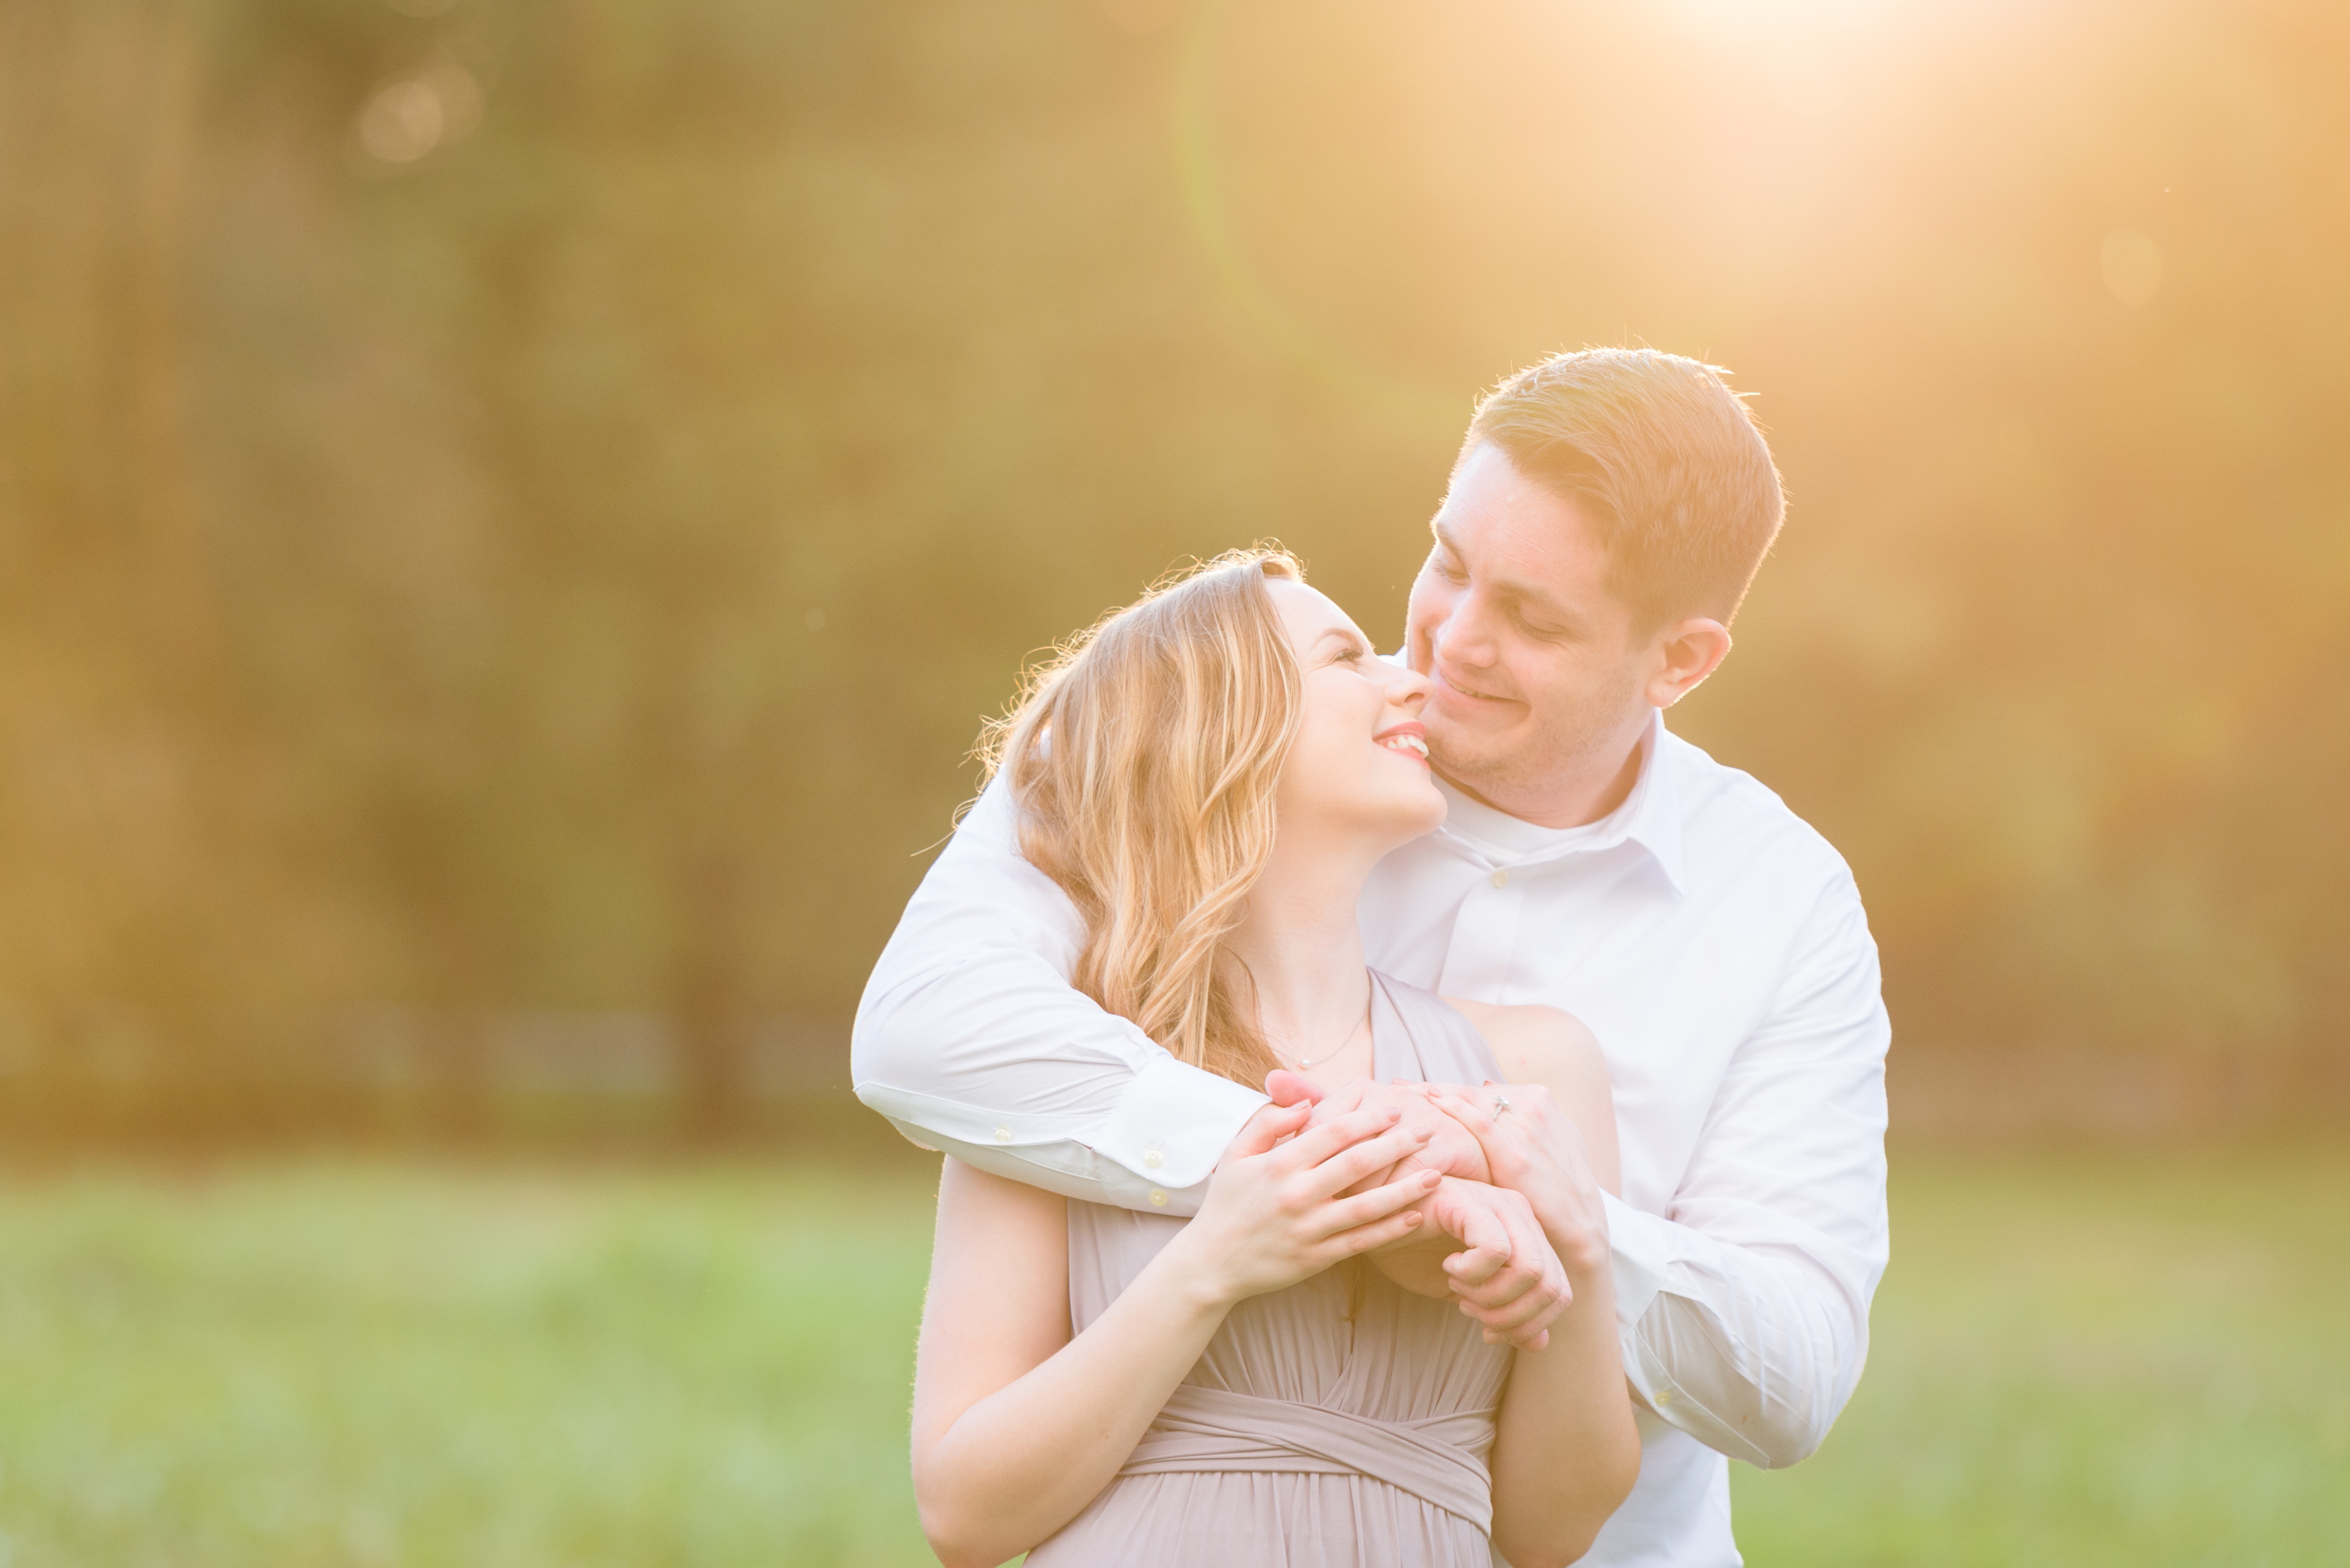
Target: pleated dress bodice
1342, 1422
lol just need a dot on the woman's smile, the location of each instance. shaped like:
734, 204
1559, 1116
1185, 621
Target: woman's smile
1410, 738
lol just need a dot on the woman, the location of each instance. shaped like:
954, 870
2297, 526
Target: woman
1211, 774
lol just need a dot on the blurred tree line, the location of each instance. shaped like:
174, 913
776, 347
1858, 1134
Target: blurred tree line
523, 503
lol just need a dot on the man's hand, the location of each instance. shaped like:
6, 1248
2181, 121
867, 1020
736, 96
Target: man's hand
1451, 1151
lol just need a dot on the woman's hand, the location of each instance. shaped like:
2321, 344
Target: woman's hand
1448, 1152
1507, 1275
1534, 1149
1277, 1211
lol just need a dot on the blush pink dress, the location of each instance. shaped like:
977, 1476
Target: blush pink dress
1339, 1423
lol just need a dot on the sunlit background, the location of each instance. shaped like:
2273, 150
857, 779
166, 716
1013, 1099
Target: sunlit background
512, 513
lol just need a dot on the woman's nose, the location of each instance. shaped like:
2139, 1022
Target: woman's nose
1408, 692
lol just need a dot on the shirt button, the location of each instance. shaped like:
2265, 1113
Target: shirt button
1154, 1159
1501, 878
1003, 1135
1157, 1199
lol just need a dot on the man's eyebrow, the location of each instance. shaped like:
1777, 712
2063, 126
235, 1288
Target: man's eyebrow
1530, 594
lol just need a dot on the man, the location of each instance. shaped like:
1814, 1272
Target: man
1607, 514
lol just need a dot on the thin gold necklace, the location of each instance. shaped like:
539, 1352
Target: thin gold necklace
1352, 1030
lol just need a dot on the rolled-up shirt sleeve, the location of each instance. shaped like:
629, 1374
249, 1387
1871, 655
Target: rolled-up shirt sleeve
1745, 1309
970, 1039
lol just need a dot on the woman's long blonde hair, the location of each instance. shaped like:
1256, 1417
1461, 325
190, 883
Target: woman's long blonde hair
1143, 757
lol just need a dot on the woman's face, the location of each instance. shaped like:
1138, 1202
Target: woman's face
1359, 765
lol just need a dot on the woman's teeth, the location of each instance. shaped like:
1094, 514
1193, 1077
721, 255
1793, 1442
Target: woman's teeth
1412, 743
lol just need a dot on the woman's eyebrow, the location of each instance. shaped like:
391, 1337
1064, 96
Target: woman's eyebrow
1347, 634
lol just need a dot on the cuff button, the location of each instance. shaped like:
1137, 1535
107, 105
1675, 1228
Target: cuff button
1154, 1159
1157, 1199
1003, 1135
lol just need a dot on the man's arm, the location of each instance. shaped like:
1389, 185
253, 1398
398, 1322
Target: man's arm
970, 1039
1745, 1312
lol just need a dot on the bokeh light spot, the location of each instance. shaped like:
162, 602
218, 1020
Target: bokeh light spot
403, 122
437, 106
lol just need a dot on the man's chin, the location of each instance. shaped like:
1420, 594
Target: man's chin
1457, 760
1480, 784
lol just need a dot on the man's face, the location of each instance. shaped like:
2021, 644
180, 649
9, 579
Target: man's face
1539, 679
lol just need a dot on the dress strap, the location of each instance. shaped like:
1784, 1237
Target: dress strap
1212, 1429
1416, 1034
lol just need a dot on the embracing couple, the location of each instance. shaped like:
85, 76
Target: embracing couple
1401, 1110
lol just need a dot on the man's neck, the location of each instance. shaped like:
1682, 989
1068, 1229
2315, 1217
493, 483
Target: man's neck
1302, 949
1587, 796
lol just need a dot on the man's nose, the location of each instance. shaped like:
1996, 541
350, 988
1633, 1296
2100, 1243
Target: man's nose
1464, 637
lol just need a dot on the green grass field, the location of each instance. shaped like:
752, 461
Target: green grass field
2132, 1360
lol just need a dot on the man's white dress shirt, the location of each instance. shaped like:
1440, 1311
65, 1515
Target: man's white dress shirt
1712, 942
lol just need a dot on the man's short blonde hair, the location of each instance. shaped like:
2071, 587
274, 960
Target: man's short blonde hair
1664, 459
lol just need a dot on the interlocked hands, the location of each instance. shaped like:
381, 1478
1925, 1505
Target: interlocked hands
1515, 1193
1531, 1147
1287, 1201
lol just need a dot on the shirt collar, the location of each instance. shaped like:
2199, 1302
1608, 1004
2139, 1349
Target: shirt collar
1649, 817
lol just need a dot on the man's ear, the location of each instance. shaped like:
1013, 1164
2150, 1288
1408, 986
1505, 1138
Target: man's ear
1689, 651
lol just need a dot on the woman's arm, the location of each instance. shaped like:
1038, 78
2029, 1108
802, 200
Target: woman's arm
1566, 1451
995, 1319
1017, 1424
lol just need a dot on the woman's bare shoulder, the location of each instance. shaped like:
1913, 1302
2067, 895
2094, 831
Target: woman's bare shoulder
1544, 1045
1536, 1044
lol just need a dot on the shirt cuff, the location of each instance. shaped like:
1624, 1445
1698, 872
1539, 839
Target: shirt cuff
1172, 1123
1642, 1245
